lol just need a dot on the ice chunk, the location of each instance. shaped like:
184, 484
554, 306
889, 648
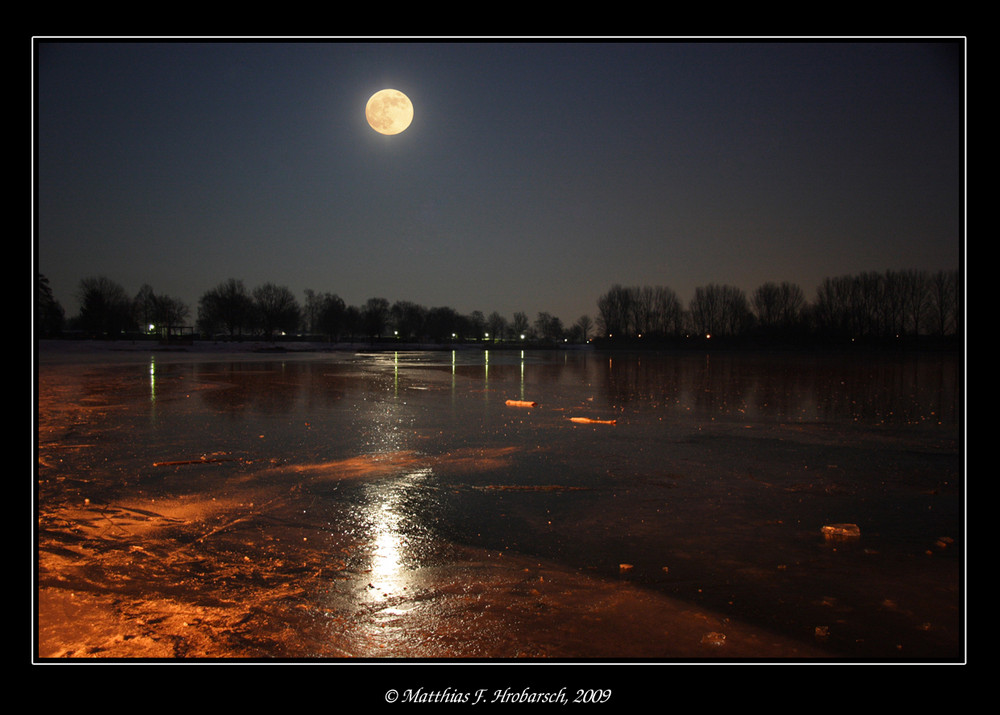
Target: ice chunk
714, 639
841, 531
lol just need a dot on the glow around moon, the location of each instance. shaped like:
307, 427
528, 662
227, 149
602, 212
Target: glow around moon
389, 111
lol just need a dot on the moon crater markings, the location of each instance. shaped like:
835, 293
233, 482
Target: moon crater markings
389, 111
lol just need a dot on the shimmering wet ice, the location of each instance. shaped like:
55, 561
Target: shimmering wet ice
393, 504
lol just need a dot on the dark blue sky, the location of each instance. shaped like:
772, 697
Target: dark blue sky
533, 177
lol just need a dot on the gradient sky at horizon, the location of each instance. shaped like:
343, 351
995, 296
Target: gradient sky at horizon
535, 175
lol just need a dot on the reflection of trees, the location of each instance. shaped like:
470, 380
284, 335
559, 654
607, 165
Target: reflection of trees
906, 389
657, 381
274, 388
899, 389
250, 387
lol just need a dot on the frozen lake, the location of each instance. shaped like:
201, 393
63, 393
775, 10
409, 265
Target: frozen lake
394, 505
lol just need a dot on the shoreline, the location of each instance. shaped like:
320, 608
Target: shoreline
50, 350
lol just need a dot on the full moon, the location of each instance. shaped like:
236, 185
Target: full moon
389, 111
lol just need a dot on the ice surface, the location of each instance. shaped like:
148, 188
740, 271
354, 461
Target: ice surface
391, 504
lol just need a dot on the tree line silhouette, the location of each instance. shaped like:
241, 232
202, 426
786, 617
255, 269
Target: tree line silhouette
869, 306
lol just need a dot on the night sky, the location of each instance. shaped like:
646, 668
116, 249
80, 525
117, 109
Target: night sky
533, 177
